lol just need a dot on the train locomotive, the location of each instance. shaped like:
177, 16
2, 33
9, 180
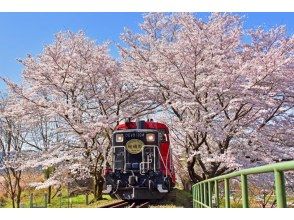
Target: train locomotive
142, 166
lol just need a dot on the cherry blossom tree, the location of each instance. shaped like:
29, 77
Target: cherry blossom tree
41, 133
226, 93
62, 83
229, 91
11, 156
78, 88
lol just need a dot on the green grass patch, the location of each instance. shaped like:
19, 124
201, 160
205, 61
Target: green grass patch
177, 198
59, 201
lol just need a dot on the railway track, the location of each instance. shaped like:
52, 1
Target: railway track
126, 204
142, 205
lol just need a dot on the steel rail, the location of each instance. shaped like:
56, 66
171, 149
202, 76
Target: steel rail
127, 204
142, 205
114, 205
121, 205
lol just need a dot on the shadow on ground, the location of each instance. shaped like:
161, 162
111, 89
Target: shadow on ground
177, 198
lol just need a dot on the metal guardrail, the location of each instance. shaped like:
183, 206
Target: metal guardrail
203, 191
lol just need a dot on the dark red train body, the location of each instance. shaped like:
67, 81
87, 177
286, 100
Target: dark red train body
142, 166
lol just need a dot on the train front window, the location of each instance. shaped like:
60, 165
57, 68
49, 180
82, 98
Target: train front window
119, 158
133, 161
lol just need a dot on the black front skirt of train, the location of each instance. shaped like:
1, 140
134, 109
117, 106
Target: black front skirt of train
132, 185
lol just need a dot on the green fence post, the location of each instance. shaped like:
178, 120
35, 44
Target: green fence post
227, 193
198, 196
216, 193
209, 194
205, 194
194, 196
244, 186
204, 190
192, 192
280, 189
201, 194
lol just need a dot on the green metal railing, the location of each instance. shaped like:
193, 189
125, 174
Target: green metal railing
204, 191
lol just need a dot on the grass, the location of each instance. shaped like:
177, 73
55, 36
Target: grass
177, 198
62, 201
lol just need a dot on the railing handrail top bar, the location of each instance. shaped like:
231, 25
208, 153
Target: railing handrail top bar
282, 166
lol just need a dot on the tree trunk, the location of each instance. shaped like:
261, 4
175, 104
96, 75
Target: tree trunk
18, 200
18, 195
49, 189
18, 188
190, 166
12, 200
98, 186
95, 189
49, 194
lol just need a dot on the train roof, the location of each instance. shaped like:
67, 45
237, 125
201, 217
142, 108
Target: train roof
147, 125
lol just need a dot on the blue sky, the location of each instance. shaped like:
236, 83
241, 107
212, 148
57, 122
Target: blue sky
27, 33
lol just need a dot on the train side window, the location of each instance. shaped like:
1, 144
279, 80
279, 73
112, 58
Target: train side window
162, 135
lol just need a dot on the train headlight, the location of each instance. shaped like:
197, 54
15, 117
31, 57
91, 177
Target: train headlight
150, 137
119, 137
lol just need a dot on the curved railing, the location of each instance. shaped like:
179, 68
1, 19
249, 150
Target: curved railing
205, 190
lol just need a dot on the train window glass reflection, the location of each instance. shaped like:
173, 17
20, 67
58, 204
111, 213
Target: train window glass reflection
132, 160
162, 135
119, 158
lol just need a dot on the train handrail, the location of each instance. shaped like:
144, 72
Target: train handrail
204, 190
142, 167
154, 146
161, 158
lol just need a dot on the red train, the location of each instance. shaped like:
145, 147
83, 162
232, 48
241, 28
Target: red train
142, 166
